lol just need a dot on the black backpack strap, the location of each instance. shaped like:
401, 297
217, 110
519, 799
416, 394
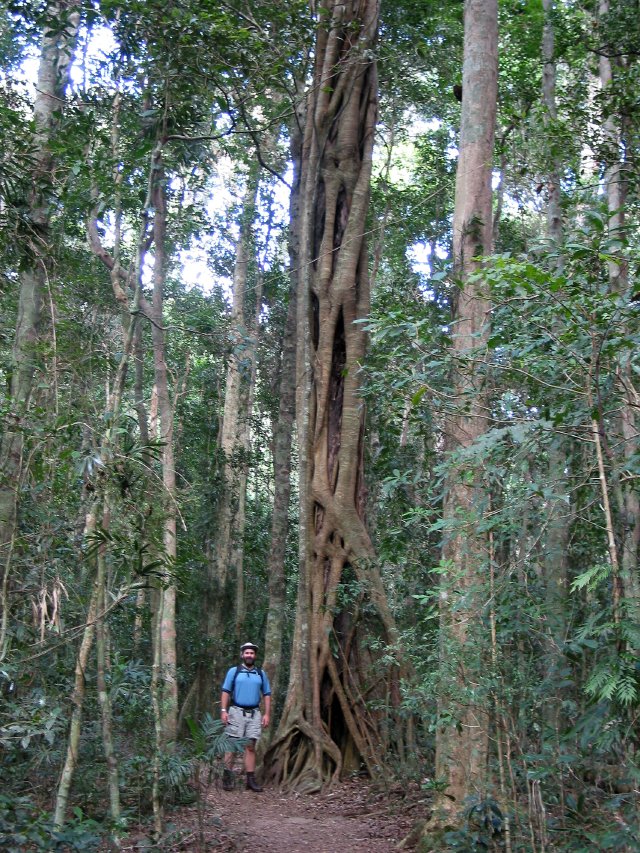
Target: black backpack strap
233, 684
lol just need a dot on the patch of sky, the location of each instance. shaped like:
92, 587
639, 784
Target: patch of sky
424, 264
419, 257
92, 65
225, 191
90, 62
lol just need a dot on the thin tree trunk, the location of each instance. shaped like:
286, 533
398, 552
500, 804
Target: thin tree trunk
101, 683
156, 704
554, 209
462, 743
166, 597
560, 513
557, 538
77, 697
77, 702
143, 426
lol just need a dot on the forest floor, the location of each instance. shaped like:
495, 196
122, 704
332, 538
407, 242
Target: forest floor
351, 818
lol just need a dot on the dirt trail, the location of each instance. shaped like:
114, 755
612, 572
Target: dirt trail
353, 818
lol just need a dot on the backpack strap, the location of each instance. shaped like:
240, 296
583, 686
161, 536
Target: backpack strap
233, 683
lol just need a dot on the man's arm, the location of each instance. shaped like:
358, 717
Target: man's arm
225, 696
224, 706
267, 711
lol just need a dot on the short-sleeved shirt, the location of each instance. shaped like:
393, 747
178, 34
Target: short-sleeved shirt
249, 687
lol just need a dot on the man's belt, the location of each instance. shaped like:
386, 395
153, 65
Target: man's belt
245, 708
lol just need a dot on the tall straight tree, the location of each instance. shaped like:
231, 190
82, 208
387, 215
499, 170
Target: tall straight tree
225, 555
60, 25
462, 739
556, 541
283, 434
324, 721
165, 664
617, 172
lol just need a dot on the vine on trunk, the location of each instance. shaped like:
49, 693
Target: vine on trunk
326, 727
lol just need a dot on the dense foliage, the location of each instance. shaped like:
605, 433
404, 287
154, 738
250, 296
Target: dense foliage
195, 106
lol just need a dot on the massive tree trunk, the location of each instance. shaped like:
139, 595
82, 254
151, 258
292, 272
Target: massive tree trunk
462, 737
53, 75
326, 726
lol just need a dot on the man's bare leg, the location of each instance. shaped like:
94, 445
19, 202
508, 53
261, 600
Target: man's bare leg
228, 778
250, 757
250, 766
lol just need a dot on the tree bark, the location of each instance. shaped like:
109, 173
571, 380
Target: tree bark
325, 721
554, 209
104, 699
282, 440
234, 435
557, 538
626, 496
53, 76
166, 596
462, 737
77, 702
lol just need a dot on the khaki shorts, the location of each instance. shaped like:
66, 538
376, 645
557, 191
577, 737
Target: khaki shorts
244, 723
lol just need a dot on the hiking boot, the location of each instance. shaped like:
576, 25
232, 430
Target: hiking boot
252, 785
228, 780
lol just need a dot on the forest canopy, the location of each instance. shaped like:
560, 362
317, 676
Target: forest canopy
319, 328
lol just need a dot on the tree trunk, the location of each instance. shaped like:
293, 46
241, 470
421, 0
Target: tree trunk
166, 595
325, 726
560, 512
233, 466
243, 437
282, 438
557, 537
104, 699
462, 737
626, 496
53, 75
77, 701
554, 209
105, 453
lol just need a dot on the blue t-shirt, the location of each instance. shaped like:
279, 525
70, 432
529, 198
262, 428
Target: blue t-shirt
249, 686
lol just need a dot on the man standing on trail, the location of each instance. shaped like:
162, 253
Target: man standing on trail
243, 687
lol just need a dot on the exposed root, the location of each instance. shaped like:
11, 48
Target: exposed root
302, 759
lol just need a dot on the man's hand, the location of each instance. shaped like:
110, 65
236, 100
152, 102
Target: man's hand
265, 721
224, 714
